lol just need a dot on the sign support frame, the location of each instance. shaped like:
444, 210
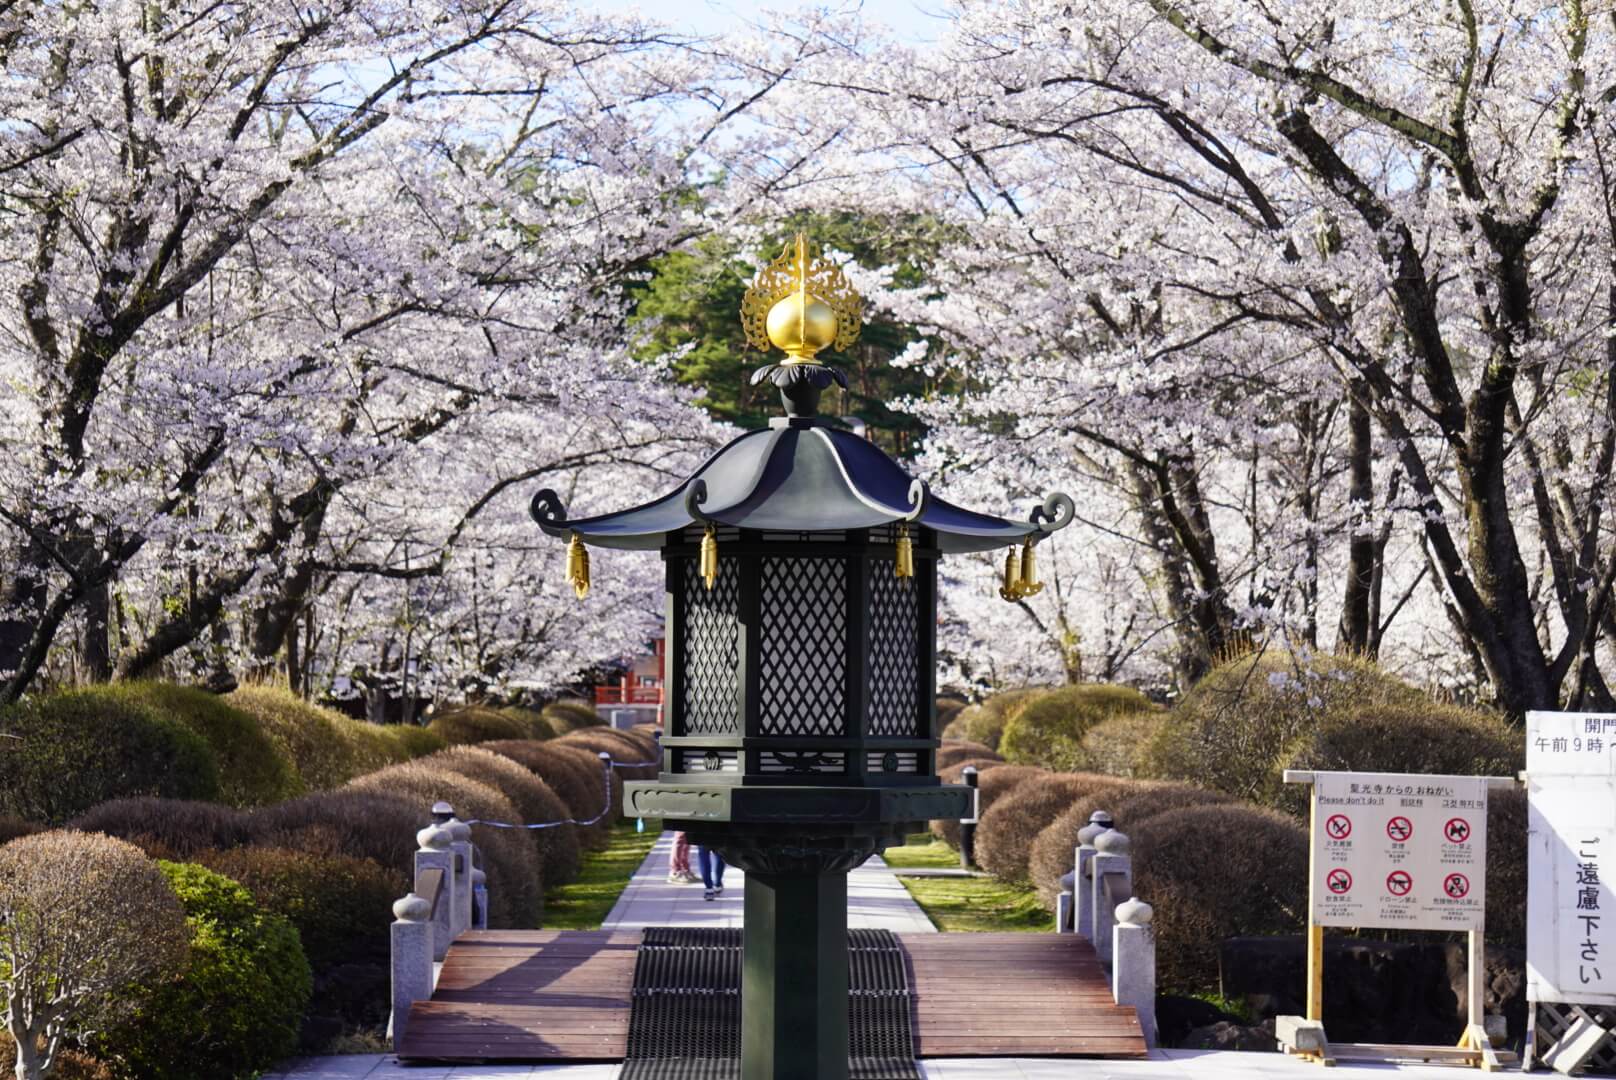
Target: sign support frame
1307, 1039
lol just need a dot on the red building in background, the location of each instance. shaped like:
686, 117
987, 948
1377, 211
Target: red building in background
636, 698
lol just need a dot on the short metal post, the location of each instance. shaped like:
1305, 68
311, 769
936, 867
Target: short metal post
968, 824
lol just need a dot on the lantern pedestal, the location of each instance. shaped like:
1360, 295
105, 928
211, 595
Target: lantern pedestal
794, 978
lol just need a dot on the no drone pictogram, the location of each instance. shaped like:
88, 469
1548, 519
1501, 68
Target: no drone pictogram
1338, 826
1338, 881
1457, 830
1457, 886
1398, 883
1399, 829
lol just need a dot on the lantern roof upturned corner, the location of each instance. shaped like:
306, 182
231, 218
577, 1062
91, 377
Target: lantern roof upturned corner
801, 474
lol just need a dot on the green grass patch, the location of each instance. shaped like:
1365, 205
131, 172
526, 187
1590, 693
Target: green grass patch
585, 903
965, 904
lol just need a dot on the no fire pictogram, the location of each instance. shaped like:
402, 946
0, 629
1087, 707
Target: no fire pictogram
1339, 826
1457, 886
1457, 830
1399, 829
1398, 883
1338, 881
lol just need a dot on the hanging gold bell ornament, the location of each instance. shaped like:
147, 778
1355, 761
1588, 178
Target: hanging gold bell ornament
904, 567
1011, 589
709, 557
578, 566
1029, 585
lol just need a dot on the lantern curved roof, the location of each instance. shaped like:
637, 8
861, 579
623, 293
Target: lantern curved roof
800, 475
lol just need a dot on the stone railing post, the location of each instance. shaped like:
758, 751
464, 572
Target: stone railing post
1133, 963
435, 854
412, 932
1082, 878
1112, 879
464, 863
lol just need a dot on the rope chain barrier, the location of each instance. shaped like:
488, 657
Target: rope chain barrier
608, 763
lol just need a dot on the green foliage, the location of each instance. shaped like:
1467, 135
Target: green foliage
693, 302
327, 748
1117, 746
468, 724
253, 769
1506, 868
82, 747
981, 904
1232, 726
585, 903
236, 1010
531, 719
1216, 872
1424, 738
952, 752
984, 722
564, 717
339, 904
1048, 728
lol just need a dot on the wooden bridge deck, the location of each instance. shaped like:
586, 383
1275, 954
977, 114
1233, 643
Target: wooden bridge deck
548, 995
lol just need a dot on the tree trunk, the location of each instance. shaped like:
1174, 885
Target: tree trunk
96, 646
1355, 635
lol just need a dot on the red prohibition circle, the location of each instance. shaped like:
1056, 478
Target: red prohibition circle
1398, 883
1338, 826
1400, 829
1338, 881
1457, 886
1457, 830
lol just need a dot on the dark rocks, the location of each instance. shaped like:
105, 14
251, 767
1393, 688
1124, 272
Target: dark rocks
1177, 1016
1374, 991
1226, 1035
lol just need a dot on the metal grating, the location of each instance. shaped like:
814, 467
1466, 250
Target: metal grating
685, 1016
1551, 1021
892, 761
695, 761
807, 761
802, 649
894, 652
712, 641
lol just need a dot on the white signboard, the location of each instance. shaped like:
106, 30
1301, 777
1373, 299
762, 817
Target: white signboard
1400, 850
1571, 855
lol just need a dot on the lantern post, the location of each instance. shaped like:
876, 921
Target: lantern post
800, 668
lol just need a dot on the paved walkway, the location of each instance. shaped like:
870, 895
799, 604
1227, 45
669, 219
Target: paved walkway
876, 899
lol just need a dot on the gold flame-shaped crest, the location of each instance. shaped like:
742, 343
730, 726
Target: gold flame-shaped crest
801, 303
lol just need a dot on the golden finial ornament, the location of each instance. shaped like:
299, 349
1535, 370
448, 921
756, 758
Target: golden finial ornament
801, 303
904, 565
1011, 589
578, 566
709, 556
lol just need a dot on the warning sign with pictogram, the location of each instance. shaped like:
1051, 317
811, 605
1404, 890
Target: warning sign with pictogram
1396, 850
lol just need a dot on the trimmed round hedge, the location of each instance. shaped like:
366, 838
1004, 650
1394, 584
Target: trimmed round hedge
253, 769
567, 716
327, 748
557, 848
1117, 746
77, 748
515, 889
995, 780
956, 751
984, 722
237, 1008
1231, 727
1005, 836
167, 828
370, 824
1216, 872
575, 775
1048, 728
469, 724
622, 746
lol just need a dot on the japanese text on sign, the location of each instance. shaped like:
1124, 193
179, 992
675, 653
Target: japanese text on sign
1394, 850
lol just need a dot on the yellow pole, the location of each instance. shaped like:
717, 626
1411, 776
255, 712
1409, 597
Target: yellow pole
1315, 934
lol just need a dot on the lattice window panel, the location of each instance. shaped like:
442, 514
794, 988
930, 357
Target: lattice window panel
894, 652
802, 649
712, 643
1554, 1020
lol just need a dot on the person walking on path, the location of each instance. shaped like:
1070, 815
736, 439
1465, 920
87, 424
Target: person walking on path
712, 871
679, 872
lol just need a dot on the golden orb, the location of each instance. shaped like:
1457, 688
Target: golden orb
801, 324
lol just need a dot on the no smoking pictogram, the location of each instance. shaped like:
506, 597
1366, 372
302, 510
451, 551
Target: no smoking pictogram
1339, 826
1399, 829
1456, 886
1338, 881
1398, 883
1457, 830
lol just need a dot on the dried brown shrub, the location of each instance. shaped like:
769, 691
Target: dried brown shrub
949, 830
515, 890
1116, 746
88, 917
70, 1064
469, 724
1212, 873
13, 827
167, 828
620, 746
992, 784
575, 775
538, 804
375, 825
1004, 839
1506, 868
955, 751
1048, 728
